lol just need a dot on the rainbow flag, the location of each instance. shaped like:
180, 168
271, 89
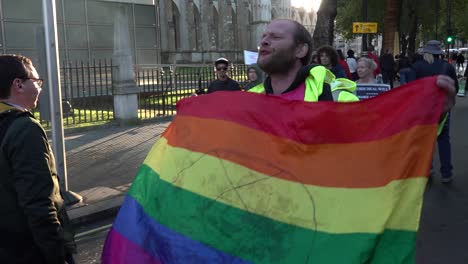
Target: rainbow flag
247, 178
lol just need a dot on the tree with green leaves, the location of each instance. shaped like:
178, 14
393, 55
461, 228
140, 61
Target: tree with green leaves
416, 21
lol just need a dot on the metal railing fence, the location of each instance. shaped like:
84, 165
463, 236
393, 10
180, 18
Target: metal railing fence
87, 93
162, 86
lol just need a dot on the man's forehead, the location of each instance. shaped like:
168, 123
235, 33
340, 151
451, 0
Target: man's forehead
280, 26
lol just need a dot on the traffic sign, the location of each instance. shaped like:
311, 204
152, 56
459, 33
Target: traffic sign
364, 27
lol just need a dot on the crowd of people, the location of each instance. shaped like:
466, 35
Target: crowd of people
366, 69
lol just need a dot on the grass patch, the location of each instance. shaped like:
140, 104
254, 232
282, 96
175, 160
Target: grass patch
169, 98
82, 118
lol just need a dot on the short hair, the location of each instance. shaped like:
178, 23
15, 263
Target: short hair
302, 36
370, 63
12, 67
330, 52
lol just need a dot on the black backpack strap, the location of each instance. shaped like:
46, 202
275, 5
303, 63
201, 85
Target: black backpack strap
326, 93
6, 118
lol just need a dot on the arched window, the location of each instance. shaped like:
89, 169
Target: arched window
214, 35
175, 25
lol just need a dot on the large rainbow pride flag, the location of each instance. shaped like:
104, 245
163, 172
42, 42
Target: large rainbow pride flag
247, 178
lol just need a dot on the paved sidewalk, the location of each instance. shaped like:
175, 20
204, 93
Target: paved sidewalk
103, 162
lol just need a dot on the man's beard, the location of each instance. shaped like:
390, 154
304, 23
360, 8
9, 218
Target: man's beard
280, 61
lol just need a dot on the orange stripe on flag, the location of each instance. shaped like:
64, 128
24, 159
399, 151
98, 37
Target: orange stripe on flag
352, 165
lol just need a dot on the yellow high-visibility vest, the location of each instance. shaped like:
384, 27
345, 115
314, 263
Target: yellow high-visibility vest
342, 89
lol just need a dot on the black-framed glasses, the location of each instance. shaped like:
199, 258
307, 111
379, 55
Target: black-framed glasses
37, 81
222, 69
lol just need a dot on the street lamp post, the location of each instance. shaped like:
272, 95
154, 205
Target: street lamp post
449, 10
53, 79
364, 19
437, 19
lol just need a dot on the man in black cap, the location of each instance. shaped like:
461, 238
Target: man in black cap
431, 65
223, 81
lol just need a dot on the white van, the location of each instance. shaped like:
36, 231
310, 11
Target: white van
464, 51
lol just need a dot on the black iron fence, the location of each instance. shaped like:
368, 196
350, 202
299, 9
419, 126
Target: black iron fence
87, 92
87, 95
162, 86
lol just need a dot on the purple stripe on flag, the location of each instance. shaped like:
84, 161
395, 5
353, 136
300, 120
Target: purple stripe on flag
119, 250
159, 241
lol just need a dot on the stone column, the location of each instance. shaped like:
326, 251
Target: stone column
283, 8
261, 11
164, 26
243, 25
184, 25
227, 31
123, 75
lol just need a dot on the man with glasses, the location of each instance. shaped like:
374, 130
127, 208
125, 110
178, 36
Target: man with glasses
223, 81
34, 225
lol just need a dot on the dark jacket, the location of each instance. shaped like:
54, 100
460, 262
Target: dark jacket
403, 63
460, 59
338, 71
227, 85
422, 69
387, 63
251, 84
34, 224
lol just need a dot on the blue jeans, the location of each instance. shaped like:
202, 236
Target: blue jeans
405, 75
445, 150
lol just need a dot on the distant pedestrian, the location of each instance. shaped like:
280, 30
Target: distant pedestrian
328, 57
223, 82
460, 62
375, 58
254, 75
387, 66
34, 227
466, 80
365, 70
342, 62
352, 64
432, 65
453, 59
404, 67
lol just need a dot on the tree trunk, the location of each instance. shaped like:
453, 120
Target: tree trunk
403, 43
412, 35
391, 19
325, 27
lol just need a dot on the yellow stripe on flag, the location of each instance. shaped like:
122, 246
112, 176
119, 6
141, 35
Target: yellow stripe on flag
326, 209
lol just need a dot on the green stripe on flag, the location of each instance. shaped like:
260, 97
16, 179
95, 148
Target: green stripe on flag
259, 239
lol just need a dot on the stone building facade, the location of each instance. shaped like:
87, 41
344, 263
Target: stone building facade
160, 31
202, 30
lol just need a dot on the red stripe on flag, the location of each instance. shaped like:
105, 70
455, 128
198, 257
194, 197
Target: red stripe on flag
418, 103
